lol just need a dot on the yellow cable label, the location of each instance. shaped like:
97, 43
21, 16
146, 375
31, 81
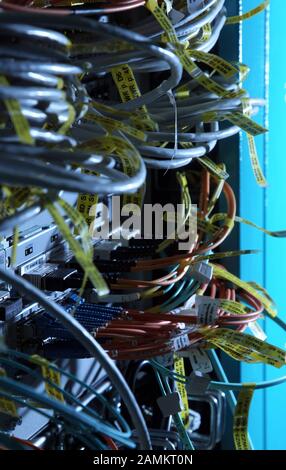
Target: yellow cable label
217, 170
79, 224
70, 120
19, 121
51, 375
186, 203
83, 254
226, 220
206, 226
237, 118
245, 354
222, 255
262, 290
184, 55
245, 123
104, 108
7, 406
126, 152
255, 164
217, 192
249, 14
222, 66
179, 368
112, 124
206, 33
128, 89
16, 198
257, 171
271, 233
125, 82
241, 416
233, 307
188, 64
246, 347
130, 159
195, 72
100, 144
213, 168
223, 274
86, 201
244, 70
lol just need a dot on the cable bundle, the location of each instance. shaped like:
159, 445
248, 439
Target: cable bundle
58, 134
69, 412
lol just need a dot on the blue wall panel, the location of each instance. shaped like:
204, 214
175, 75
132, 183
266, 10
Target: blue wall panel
275, 253
266, 207
252, 198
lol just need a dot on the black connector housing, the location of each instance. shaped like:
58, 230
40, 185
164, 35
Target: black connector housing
9, 308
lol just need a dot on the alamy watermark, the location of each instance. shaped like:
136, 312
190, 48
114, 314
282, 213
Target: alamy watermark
117, 221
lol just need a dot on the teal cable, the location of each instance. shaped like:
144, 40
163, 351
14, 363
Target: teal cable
36, 375
178, 422
238, 386
222, 376
63, 409
115, 413
90, 344
163, 384
219, 370
220, 385
173, 296
188, 292
40, 411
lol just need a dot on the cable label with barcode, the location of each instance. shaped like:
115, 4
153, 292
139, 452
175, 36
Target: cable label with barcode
207, 310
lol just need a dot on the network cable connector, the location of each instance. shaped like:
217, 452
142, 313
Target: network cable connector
51, 277
92, 297
105, 249
207, 310
170, 404
198, 383
166, 360
10, 307
42, 327
32, 247
184, 311
202, 272
198, 358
